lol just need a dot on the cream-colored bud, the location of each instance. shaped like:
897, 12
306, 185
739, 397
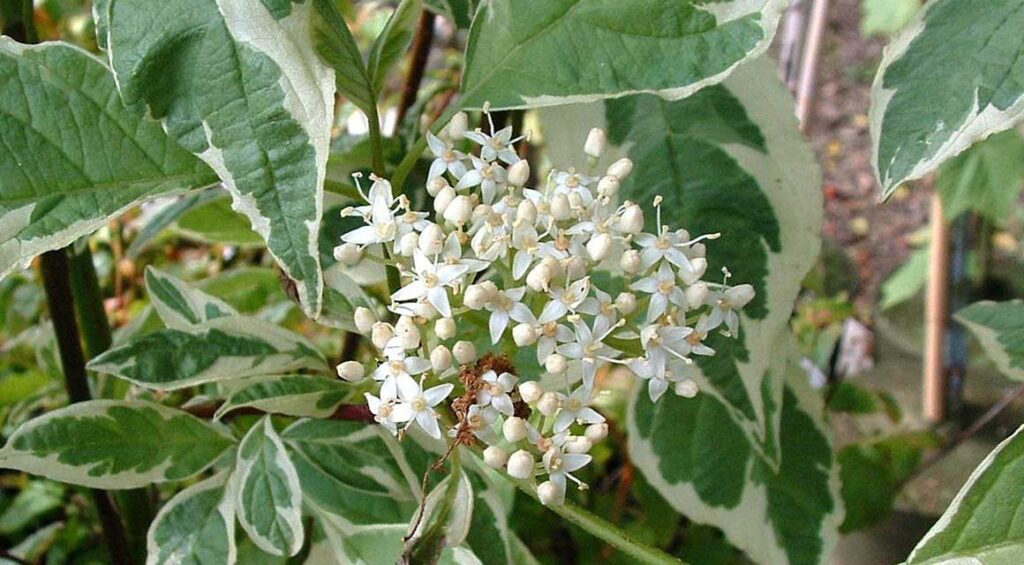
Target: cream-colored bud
352, 371
458, 126
431, 240
696, 294
599, 246
347, 254
364, 319
548, 493
440, 359
526, 212
407, 245
519, 173
490, 290
464, 351
597, 141
436, 185
687, 388
632, 219
514, 429
630, 261
556, 364
520, 465
560, 208
475, 297
443, 200
626, 303
621, 169
459, 211
596, 432
608, 186
381, 334
524, 335
690, 276
407, 332
495, 457
539, 278
575, 267
444, 328
530, 391
577, 444
548, 403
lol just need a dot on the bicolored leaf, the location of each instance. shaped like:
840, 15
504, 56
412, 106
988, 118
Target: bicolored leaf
731, 160
700, 461
219, 349
953, 77
73, 155
238, 83
179, 305
114, 445
442, 521
982, 524
999, 327
293, 395
196, 526
525, 54
268, 497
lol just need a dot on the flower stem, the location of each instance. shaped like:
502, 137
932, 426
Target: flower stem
376, 140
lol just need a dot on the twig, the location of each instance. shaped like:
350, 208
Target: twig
417, 64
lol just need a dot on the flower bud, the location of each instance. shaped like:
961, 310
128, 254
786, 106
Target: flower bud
519, 173
407, 332
548, 493
575, 267
630, 261
514, 429
436, 185
530, 392
626, 303
577, 444
475, 297
524, 335
596, 432
608, 186
687, 388
596, 142
381, 334
459, 211
599, 246
621, 169
520, 465
458, 126
407, 245
364, 319
431, 240
495, 457
490, 290
700, 266
444, 328
575, 201
464, 351
443, 199
347, 254
632, 219
556, 364
560, 209
526, 212
740, 295
696, 294
539, 278
548, 403
440, 359
351, 371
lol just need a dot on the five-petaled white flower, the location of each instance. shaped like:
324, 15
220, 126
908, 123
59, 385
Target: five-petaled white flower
430, 282
417, 405
495, 391
576, 408
663, 289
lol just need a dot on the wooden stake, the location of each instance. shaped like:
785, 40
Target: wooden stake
936, 318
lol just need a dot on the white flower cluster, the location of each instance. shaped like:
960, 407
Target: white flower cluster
518, 261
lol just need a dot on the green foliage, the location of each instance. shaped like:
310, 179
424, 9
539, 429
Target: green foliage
999, 326
887, 17
986, 179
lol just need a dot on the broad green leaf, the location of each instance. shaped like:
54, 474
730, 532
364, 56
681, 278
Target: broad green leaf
238, 83
953, 77
525, 54
217, 222
907, 281
73, 156
336, 47
292, 395
887, 17
693, 453
460, 12
197, 526
268, 498
982, 524
179, 305
164, 218
999, 327
219, 349
987, 178
731, 160
392, 43
247, 289
34, 502
114, 445
443, 521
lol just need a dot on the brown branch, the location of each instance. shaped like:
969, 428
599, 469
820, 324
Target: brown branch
417, 64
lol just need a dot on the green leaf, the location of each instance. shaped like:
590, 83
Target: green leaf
73, 156
694, 454
392, 43
247, 289
33, 502
268, 497
179, 305
999, 327
987, 178
525, 54
238, 84
906, 281
196, 526
731, 159
444, 520
460, 12
292, 395
982, 524
164, 218
114, 445
217, 222
219, 349
336, 47
887, 17
952, 78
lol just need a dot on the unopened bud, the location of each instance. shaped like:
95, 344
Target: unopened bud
560, 209
519, 173
347, 254
577, 444
596, 432
407, 245
539, 278
687, 388
548, 403
514, 429
459, 211
443, 198
351, 371
431, 240
458, 126
621, 169
436, 185
495, 457
556, 364
696, 294
548, 493
524, 335
530, 392
632, 219
440, 359
364, 319
596, 142
475, 297
520, 465
465, 352
630, 261
381, 334
444, 328
599, 246
608, 186
526, 212
626, 303
407, 333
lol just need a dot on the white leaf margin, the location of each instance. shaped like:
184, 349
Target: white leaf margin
225, 509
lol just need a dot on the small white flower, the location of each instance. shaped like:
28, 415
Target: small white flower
504, 306
725, 304
495, 391
664, 290
446, 158
490, 177
588, 347
381, 226
495, 146
399, 365
575, 408
430, 282
559, 465
417, 405
565, 300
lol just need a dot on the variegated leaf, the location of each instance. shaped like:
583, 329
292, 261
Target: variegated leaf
525, 54
179, 305
268, 497
115, 445
219, 349
293, 395
197, 526
237, 82
954, 76
695, 455
999, 326
73, 156
442, 521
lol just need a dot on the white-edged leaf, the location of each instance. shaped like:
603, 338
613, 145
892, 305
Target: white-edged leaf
72, 155
181, 306
523, 53
954, 76
698, 459
218, 349
196, 526
238, 83
292, 395
999, 327
982, 524
114, 444
268, 498
446, 513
